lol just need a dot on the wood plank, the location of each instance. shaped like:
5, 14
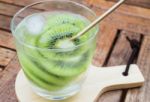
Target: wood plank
5, 56
13, 9
5, 22
20, 2
6, 40
6, 14
126, 22
142, 94
142, 3
120, 55
132, 10
122, 49
122, 20
129, 18
124, 9
27, 2
7, 81
105, 39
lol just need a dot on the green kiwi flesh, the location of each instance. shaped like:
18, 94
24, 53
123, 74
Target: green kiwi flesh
64, 60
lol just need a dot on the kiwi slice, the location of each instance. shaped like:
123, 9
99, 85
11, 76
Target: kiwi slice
46, 76
58, 38
38, 70
57, 61
56, 34
34, 79
65, 18
68, 68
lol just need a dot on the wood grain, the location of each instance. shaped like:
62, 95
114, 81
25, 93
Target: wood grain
142, 3
13, 9
27, 2
95, 84
122, 49
105, 40
5, 22
119, 55
9, 12
6, 40
123, 9
7, 81
6, 14
20, 2
5, 56
129, 21
142, 95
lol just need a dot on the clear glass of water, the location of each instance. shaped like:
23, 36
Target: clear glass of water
55, 66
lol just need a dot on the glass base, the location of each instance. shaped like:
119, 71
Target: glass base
57, 95
62, 94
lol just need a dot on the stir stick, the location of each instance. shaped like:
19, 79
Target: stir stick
100, 18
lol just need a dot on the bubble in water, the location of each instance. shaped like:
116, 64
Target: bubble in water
35, 24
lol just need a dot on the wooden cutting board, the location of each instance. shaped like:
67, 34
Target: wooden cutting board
99, 80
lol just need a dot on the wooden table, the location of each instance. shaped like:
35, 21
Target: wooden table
112, 46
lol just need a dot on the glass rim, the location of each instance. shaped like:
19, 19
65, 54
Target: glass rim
53, 49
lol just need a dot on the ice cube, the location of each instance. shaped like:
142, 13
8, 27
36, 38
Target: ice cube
65, 44
35, 24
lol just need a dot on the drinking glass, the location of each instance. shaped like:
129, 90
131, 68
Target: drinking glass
48, 77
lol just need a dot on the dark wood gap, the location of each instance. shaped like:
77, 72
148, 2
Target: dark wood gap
125, 91
2, 67
11, 16
142, 94
112, 47
141, 41
120, 95
6, 30
123, 95
6, 15
8, 48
